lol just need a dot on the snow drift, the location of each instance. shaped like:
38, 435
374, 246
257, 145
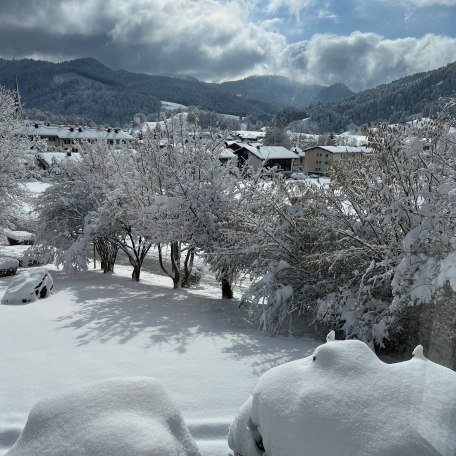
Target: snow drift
343, 400
115, 417
29, 286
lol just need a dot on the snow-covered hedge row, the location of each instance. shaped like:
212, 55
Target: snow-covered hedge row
8, 266
344, 401
115, 417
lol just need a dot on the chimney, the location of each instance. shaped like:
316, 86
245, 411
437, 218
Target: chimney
36, 125
258, 146
80, 130
71, 129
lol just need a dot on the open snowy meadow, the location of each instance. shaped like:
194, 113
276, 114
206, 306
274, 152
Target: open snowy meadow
96, 326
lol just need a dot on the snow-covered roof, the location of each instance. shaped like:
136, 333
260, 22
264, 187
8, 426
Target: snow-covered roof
57, 157
18, 235
227, 153
77, 132
246, 134
269, 152
344, 149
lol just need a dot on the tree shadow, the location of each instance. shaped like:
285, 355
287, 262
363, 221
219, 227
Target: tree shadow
114, 308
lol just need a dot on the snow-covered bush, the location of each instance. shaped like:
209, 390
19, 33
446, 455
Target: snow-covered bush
37, 255
363, 253
116, 417
343, 400
29, 286
8, 266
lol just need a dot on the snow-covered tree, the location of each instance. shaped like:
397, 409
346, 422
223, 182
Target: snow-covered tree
15, 156
66, 208
190, 191
366, 254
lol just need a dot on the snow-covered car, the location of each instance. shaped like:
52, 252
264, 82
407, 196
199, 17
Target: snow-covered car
29, 286
298, 176
8, 266
344, 401
131, 416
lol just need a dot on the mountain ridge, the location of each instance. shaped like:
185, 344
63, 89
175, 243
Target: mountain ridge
86, 87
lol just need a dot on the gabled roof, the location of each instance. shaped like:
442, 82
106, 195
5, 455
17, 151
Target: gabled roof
269, 152
343, 149
73, 132
227, 153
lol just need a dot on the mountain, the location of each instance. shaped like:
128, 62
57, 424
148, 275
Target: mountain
334, 92
396, 102
280, 91
91, 90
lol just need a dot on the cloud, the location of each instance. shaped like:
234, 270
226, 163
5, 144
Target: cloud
293, 6
363, 60
212, 40
427, 3
205, 38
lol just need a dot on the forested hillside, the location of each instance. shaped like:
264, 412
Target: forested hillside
89, 89
396, 102
280, 91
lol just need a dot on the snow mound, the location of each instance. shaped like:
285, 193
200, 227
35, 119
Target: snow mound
29, 286
116, 417
343, 400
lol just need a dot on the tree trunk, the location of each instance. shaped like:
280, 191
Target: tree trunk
175, 264
227, 290
136, 272
107, 252
188, 265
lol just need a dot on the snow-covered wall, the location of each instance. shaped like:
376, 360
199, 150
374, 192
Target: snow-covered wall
344, 401
116, 417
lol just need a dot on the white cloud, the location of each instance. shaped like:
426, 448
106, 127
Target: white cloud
426, 3
206, 38
363, 60
212, 40
293, 6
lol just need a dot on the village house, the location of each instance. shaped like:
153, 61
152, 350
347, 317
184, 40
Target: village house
248, 136
263, 156
67, 137
318, 159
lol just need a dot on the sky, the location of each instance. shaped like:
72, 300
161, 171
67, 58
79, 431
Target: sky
358, 43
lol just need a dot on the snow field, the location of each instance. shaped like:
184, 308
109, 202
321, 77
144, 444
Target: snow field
97, 326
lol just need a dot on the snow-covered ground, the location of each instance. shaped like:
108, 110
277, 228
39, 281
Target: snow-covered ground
97, 326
